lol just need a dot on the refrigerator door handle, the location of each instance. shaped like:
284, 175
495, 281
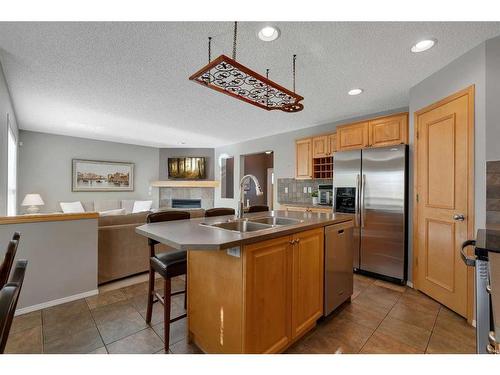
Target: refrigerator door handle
362, 199
356, 203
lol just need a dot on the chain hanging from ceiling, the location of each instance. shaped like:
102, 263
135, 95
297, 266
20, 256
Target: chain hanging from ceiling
226, 75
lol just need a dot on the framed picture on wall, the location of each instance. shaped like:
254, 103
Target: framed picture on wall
96, 175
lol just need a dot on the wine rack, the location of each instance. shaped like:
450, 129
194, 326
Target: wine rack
323, 167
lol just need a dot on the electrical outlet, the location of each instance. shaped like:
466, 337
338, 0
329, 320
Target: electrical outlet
309, 189
305, 189
286, 190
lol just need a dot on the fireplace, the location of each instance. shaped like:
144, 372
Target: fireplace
186, 203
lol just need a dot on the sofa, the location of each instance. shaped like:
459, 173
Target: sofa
121, 251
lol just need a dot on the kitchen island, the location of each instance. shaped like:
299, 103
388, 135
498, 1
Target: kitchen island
254, 285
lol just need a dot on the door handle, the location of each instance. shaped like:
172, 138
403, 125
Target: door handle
458, 217
356, 202
362, 203
471, 262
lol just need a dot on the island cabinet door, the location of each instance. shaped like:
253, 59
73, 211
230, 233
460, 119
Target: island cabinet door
307, 280
267, 267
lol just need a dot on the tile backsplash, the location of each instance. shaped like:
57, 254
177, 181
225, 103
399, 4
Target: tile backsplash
296, 189
493, 192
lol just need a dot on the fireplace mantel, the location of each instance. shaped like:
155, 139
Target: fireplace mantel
186, 184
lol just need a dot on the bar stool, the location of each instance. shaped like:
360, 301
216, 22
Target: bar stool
9, 295
258, 208
219, 212
8, 259
167, 265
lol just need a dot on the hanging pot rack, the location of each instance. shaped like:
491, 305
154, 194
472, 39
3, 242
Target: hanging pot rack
226, 75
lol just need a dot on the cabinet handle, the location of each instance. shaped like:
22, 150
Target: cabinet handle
341, 231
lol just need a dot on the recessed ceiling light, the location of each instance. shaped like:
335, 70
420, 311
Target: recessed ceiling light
424, 45
355, 92
268, 33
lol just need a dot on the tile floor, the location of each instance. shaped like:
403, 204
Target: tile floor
382, 318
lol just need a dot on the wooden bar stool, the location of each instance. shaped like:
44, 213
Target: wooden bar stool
167, 265
219, 212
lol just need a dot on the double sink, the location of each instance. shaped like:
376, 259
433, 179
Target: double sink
253, 224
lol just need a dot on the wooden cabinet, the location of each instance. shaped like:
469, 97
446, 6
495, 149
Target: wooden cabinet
388, 131
284, 290
267, 318
324, 209
332, 143
320, 146
352, 137
303, 159
307, 281
269, 294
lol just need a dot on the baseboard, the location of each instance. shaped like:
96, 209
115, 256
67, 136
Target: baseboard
55, 302
410, 284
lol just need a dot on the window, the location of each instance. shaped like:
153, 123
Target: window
11, 172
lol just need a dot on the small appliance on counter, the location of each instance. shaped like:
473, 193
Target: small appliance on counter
325, 193
486, 263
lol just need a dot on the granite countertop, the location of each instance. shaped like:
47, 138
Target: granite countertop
308, 205
191, 235
488, 240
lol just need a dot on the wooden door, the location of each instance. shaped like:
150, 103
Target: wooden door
320, 146
444, 181
388, 131
332, 143
303, 159
267, 296
307, 280
352, 137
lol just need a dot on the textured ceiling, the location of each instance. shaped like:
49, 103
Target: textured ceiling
128, 82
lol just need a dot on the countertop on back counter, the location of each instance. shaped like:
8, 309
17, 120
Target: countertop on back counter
306, 205
194, 235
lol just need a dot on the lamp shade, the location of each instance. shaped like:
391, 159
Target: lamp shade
32, 200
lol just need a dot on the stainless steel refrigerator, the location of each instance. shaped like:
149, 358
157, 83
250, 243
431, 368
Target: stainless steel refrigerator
372, 184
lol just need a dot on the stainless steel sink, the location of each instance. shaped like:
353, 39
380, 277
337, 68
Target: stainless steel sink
240, 226
253, 224
275, 221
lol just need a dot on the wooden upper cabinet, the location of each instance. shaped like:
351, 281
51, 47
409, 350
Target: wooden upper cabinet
352, 137
303, 159
332, 143
388, 131
307, 280
320, 146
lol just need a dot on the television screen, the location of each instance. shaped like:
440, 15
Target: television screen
187, 168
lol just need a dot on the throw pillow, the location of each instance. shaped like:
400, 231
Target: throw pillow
72, 207
141, 206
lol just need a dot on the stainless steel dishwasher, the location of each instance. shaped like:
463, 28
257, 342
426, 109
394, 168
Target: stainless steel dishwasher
338, 265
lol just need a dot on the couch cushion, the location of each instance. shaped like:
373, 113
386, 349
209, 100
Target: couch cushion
107, 205
88, 206
141, 206
128, 205
120, 211
138, 218
72, 207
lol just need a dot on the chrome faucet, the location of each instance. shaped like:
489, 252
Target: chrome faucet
242, 195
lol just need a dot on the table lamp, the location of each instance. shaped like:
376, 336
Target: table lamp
32, 201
